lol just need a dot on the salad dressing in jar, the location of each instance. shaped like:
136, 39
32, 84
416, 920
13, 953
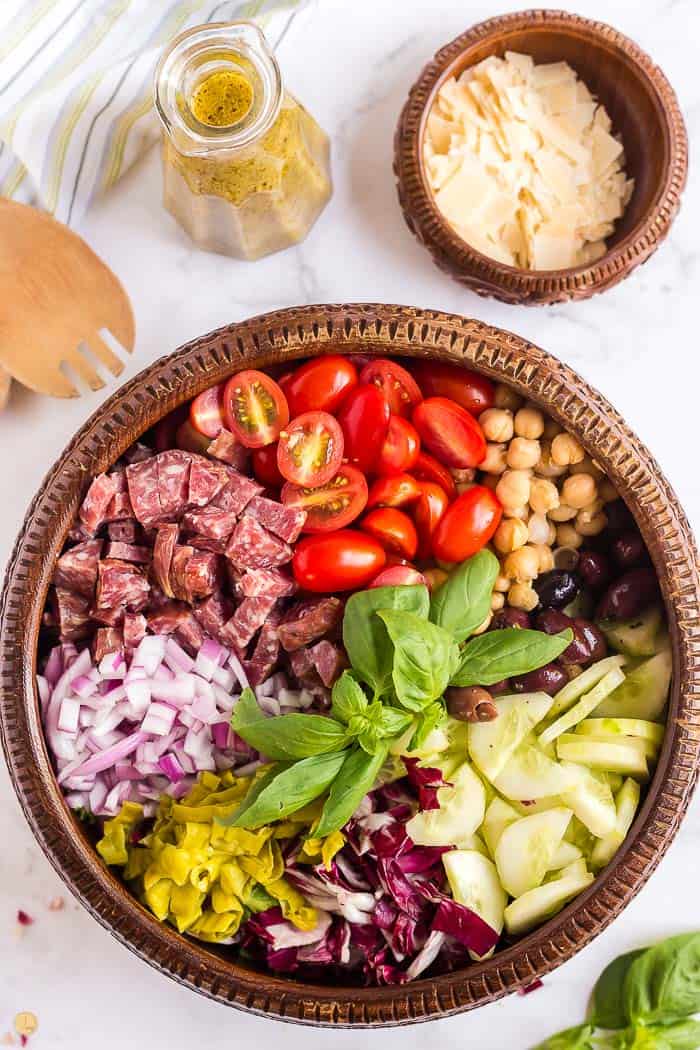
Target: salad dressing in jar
246, 170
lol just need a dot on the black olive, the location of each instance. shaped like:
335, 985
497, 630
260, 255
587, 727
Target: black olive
630, 595
594, 569
548, 679
556, 588
510, 617
628, 550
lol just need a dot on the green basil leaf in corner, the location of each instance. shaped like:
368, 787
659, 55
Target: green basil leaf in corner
501, 654
683, 1035
287, 737
347, 698
355, 779
365, 638
425, 658
463, 601
263, 777
428, 720
392, 722
608, 1006
576, 1038
291, 789
663, 984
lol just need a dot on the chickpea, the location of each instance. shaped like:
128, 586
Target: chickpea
562, 513
521, 513
522, 564
513, 489
538, 529
523, 596
501, 583
579, 491
485, 625
497, 424
565, 558
551, 429
607, 491
544, 495
566, 450
498, 600
494, 461
590, 522
551, 538
546, 558
544, 467
568, 536
434, 578
510, 535
506, 397
522, 453
587, 466
529, 423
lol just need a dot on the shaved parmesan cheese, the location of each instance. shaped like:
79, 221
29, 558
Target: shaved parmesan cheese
524, 165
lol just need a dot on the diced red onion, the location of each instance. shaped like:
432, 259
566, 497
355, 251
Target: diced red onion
113, 665
158, 719
150, 652
237, 668
171, 767
54, 666
69, 715
225, 677
176, 658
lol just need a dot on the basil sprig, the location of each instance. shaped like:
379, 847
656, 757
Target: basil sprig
286, 737
513, 651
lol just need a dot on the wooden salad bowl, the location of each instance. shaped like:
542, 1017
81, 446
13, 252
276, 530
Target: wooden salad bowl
370, 330
643, 108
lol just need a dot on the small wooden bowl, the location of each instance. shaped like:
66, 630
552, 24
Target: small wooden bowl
283, 337
643, 108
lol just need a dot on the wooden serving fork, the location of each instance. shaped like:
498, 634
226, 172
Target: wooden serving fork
56, 296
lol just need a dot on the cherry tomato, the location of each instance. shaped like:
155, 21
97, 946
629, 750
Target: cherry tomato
467, 525
427, 468
255, 408
364, 418
265, 467
396, 559
190, 439
320, 384
394, 530
337, 561
450, 432
469, 389
333, 505
398, 386
400, 449
393, 492
207, 411
397, 576
310, 449
429, 510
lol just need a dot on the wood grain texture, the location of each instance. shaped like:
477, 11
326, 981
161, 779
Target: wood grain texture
644, 111
375, 330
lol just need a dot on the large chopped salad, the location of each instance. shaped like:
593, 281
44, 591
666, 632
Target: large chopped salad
359, 668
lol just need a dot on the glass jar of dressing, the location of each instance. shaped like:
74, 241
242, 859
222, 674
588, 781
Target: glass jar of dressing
246, 170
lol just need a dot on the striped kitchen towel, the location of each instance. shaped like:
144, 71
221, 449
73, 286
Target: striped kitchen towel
76, 81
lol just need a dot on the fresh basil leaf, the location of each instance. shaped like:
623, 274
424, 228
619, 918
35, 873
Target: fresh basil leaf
425, 657
428, 720
393, 722
355, 779
369, 740
365, 638
663, 984
683, 1035
263, 778
502, 654
347, 698
291, 789
287, 737
463, 601
576, 1038
608, 1003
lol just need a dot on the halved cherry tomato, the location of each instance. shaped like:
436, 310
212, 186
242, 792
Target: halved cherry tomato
337, 561
320, 385
469, 389
333, 505
429, 510
364, 418
190, 439
467, 525
310, 449
427, 468
400, 449
164, 431
393, 492
265, 467
255, 408
394, 530
450, 432
398, 386
397, 576
207, 411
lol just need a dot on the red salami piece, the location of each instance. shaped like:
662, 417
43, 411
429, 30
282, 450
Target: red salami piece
178, 582
189, 632
211, 522
119, 508
76, 570
137, 452
97, 499
201, 574
237, 493
272, 582
142, 480
166, 619
303, 667
252, 547
173, 482
205, 543
226, 448
78, 534
123, 531
266, 652
118, 476
206, 481
247, 619
106, 640
166, 539
109, 617
134, 628
128, 552
213, 613
119, 584
307, 621
285, 522
329, 660
72, 615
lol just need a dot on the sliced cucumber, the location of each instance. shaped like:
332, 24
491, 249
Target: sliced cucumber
461, 812
474, 843
578, 835
626, 803
577, 869
591, 799
566, 853
530, 774
622, 755
525, 849
474, 882
435, 743
638, 727
614, 780
536, 805
583, 683
588, 702
492, 743
637, 637
581, 605
544, 901
499, 815
644, 692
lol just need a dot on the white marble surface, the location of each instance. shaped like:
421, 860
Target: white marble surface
352, 64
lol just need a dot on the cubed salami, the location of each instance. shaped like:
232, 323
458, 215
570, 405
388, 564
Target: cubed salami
237, 493
178, 581
206, 543
303, 667
206, 481
189, 632
308, 621
252, 546
109, 617
106, 640
118, 476
213, 613
97, 499
266, 652
166, 619
226, 448
120, 508
128, 552
285, 522
137, 452
77, 533
163, 548
121, 584
72, 615
201, 574
211, 522
123, 531
134, 628
329, 660
246, 620
272, 582
142, 480
76, 570
173, 468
